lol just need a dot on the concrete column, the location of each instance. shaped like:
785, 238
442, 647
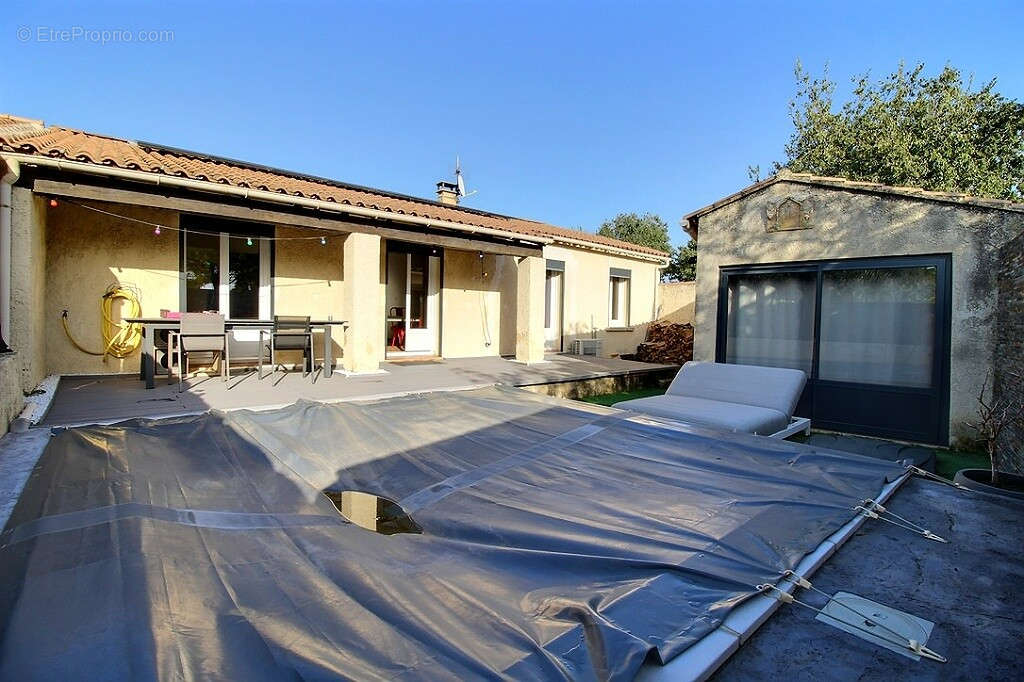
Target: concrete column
530, 310
363, 295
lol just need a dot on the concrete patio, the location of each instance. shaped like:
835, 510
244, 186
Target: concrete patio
81, 400
968, 588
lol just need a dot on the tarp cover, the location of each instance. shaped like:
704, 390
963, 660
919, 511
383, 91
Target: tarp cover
559, 540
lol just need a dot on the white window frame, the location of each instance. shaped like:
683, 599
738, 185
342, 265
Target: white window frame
265, 303
618, 299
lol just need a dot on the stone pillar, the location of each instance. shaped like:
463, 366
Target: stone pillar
363, 303
530, 310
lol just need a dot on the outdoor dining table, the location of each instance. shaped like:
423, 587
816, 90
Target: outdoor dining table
152, 325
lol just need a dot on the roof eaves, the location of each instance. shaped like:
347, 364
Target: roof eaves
853, 185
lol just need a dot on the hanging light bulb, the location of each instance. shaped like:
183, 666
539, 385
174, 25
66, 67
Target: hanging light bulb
248, 241
323, 241
53, 203
156, 230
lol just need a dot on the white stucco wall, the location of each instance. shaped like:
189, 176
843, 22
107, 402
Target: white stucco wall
479, 301
676, 301
846, 224
586, 287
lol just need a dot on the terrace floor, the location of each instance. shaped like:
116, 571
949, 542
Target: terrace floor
82, 400
970, 589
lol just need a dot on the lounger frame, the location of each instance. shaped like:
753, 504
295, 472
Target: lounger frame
796, 425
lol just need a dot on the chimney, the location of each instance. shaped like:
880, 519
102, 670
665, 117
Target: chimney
448, 193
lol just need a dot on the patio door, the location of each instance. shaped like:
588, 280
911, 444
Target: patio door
226, 266
413, 300
553, 308
872, 335
421, 296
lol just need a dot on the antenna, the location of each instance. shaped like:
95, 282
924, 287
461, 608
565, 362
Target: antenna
458, 180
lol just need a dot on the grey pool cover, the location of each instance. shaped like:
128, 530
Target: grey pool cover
558, 541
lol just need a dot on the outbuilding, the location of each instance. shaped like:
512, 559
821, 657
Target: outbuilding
885, 296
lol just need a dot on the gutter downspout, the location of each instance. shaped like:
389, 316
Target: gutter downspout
261, 195
11, 172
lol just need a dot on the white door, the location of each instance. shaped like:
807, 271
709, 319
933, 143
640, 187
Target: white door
553, 311
422, 303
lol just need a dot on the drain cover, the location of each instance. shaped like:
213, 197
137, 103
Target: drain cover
838, 613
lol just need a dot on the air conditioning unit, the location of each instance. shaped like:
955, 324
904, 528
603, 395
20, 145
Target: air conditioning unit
586, 347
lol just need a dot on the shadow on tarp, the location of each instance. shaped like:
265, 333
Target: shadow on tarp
560, 540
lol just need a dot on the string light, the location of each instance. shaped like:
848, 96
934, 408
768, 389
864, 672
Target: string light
53, 203
323, 241
158, 228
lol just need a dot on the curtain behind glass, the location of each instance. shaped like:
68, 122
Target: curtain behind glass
202, 272
878, 326
244, 278
771, 320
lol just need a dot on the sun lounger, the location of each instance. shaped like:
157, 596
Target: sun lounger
741, 398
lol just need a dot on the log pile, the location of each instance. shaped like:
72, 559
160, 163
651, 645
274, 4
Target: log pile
670, 344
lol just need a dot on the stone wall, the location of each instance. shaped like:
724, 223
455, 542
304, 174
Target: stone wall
1009, 360
22, 370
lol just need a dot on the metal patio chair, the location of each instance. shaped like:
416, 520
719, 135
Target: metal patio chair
200, 333
290, 332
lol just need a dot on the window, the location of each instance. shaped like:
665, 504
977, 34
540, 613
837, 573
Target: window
417, 290
771, 320
618, 298
226, 267
877, 326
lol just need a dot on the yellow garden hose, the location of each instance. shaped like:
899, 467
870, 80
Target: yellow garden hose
120, 339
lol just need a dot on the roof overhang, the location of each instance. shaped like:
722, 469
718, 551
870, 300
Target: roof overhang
143, 188
692, 220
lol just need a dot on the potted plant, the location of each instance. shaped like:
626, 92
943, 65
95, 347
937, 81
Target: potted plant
994, 415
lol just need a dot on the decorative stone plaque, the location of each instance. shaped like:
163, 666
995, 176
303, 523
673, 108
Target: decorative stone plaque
790, 214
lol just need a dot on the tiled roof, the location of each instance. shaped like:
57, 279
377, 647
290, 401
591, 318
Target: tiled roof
29, 136
855, 186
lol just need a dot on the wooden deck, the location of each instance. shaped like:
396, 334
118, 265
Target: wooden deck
84, 400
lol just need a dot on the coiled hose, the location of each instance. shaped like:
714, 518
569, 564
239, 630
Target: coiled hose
120, 339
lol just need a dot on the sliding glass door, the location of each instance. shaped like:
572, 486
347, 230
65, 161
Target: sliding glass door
226, 267
872, 335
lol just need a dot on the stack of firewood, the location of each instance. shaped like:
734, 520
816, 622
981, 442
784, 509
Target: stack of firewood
670, 344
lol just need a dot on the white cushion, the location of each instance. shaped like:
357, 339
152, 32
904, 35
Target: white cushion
712, 413
774, 388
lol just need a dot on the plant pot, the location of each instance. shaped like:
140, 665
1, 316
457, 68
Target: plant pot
978, 480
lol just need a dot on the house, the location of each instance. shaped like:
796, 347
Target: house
886, 296
192, 232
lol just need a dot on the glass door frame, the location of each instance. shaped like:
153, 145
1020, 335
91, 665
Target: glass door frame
227, 230
819, 391
554, 306
433, 298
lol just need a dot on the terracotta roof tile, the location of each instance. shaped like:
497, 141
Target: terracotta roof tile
29, 136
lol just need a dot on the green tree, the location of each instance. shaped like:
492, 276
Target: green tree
908, 129
683, 266
647, 230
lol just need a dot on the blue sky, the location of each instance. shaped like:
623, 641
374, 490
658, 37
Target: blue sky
565, 112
